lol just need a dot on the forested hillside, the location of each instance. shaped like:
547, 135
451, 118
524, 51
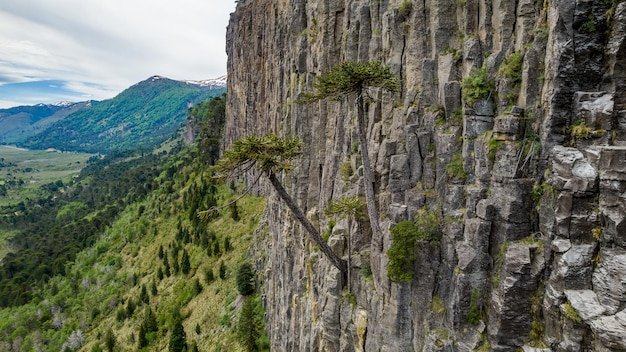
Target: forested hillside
20, 122
118, 259
143, 115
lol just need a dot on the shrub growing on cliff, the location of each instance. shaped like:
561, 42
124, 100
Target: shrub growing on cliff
511, 70
407, 237
477, 86
474, 314
580, 131
454, 169
404, 10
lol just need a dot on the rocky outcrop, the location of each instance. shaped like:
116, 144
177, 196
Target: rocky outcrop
529, 179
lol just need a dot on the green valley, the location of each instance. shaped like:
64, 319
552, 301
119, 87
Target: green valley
117, 259
23, 171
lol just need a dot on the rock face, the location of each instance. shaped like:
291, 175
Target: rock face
532, 249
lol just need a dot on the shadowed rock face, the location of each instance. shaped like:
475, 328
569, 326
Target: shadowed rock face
533, 229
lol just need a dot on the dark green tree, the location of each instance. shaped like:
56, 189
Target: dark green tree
185, 266
227, 245
354, 79
109, 340
142, 340
149, 322
271, 155
245, 279
166, 265
209, 277
216, 248
197, 287
178, 338
143, 295
130, 307
234, 211
248, 326
222, 270
153, 288
214, 114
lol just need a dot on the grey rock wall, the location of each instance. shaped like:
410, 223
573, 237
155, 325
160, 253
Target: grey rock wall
533, 229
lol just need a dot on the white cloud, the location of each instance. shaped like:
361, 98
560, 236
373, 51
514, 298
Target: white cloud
104, 46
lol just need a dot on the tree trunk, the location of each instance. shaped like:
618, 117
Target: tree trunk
370, 200
349, 253
299, 214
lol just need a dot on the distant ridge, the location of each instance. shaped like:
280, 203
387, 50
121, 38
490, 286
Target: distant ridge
143, 115
21, 122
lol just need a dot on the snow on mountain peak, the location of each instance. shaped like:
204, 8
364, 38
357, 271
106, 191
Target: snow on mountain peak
216, 82
63, 103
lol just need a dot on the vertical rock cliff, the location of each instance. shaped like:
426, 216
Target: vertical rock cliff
510, 126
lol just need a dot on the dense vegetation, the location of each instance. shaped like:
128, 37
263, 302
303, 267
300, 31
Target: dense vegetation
213, 113
20, 122
143, 115
408, 236
54, 229
139, 270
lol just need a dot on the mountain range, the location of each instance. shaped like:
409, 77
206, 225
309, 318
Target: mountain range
143, 115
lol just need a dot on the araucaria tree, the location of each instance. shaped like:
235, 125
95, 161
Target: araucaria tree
272, 155
351, 79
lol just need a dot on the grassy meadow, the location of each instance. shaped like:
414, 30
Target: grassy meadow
23, 171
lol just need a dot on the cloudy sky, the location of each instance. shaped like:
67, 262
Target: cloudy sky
75, 50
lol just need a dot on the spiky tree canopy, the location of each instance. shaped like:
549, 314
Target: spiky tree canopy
347, 207
269, 154
352, 77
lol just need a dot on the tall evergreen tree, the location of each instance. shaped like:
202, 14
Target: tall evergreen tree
185, 266
248, 326
178, 338
234, 211
222, 270
271, 155
245, 279
227, 245
209, 277
142, 340
153, 289
216, 248
143, 295
150, 322
166, 264
109, 340
354, 79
